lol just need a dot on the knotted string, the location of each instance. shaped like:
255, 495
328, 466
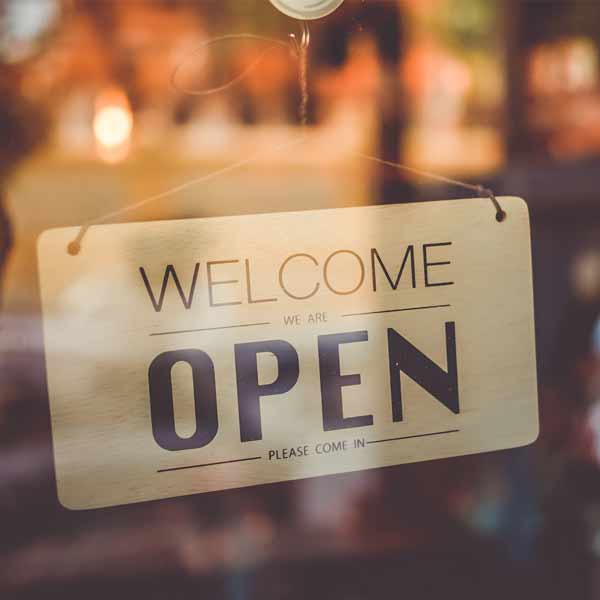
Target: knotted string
299, 50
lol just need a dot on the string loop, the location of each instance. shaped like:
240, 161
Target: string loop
292, 45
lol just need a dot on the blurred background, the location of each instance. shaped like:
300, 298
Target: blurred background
500, 92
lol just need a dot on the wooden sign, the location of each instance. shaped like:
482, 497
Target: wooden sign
209, 354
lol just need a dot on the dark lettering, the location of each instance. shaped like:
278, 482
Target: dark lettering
170, 271
212, 283
410, 253
405, 358
281, 283
362, 273
332, 381
427, 264
161, 400
248, 388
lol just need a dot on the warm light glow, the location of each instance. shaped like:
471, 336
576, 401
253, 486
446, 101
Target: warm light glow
113, 125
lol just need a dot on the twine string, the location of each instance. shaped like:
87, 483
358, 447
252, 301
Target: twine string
299, 50
479, 189
303, 73
291, 44
74, 247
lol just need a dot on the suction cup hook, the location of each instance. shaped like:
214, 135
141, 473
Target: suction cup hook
307, 10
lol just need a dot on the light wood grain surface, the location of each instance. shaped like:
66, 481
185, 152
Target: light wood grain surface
102, 333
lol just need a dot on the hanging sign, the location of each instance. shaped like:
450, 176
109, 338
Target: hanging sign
209, 354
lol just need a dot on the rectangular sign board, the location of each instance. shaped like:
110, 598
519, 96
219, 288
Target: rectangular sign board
209, 354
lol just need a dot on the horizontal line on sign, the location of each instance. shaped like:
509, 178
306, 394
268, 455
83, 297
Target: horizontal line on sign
223, 462
411, 437
395, 310
209, 329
